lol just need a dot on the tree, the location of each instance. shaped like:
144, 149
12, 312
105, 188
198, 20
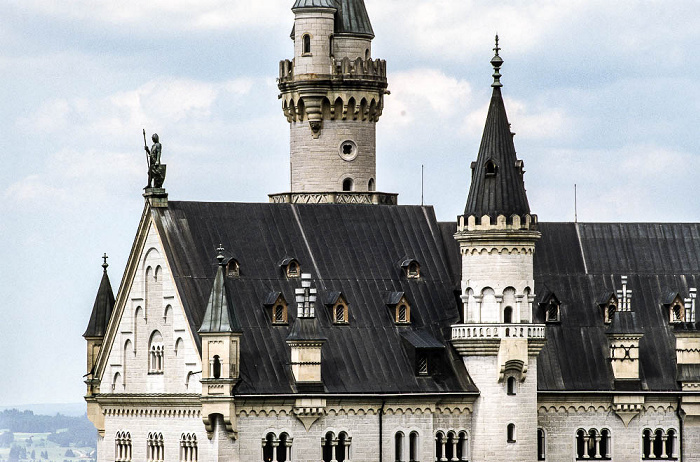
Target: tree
6, 439
69, 453
33, 456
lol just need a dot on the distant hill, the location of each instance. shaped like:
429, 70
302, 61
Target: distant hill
61, 429
69, 409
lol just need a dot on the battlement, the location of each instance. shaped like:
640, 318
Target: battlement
344, 69
525, 222
345, 197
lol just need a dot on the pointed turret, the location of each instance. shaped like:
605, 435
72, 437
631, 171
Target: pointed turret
221, 355
102, 308
497, 186
218, 317
352, 19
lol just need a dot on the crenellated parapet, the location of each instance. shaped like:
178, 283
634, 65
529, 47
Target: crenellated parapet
526, 222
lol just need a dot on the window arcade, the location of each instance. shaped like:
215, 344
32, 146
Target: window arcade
335, 449
593, 444
188, 447
659, 444
156, 353
155, 449
122, 447
277, 449
452, 446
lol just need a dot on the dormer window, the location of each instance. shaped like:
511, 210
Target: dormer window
553, 312
609, 306
422, 364
401, 309
306, 45
675, 307
291, 267
233, 269
411, 268
338, 306
278, 308
491, 168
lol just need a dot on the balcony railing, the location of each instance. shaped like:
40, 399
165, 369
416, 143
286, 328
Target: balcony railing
497, 331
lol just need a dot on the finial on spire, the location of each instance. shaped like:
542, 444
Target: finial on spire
220, 257
105, 264
496, 62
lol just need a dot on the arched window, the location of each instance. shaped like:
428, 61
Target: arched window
366, 54
347, 184
541, 445
179, 344
343, 451
370, 185
188, 447
402, 313
122, 447
413, 447
491, 168
306, 44
280, 314
155, 356
216, 367
511, 433
233, 269
155, 450
593, 444
511, 386
116, 380
463, 446
508, 315
284, 448
398, 447
277, 450
269, 448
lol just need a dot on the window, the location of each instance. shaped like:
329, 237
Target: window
216, 367
413, 447
398, 447
508, 315
335, 449
511, 433
116, 380
414, 270
659, 444
347, 184
400, 308
188, 447
122, 447
277, 308
277, 449
233, 269
541, 447
292, 267
402, 313
370, 185
340, 313
610, 313
511, 386
422, 364
306, 44
155, 450
155, 356
348, 150
553, 312
491, 168
280, 314
453, 446
593, 444
677, 313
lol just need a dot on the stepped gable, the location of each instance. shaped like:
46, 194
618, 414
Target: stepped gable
353, 249
102, 308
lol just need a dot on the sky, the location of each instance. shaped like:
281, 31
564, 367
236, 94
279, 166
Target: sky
601, 94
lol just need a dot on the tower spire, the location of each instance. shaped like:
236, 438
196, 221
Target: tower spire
497, 186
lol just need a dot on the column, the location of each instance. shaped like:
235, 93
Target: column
288, 450
275, 444
454, 449
586, 440
334, 447
596, 439
465, 449
664, 446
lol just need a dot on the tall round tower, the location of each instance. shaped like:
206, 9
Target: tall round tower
332, 95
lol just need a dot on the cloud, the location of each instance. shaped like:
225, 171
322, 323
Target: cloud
161, 17
529, 121
427, 92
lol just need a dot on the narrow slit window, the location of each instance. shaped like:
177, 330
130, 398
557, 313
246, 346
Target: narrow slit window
306, 44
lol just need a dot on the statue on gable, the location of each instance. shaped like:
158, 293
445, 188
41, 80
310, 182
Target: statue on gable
156, 170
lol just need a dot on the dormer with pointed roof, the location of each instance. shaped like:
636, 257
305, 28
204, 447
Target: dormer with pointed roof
221, 354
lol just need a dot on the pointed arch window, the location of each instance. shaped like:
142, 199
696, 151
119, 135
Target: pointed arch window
278, 308
491, 168
155, 449
122, 447
188, 447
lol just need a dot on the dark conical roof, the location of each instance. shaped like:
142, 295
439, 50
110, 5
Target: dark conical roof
497, 186
350, 18
102, 309
219, 317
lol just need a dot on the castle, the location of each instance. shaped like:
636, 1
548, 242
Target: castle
334, 324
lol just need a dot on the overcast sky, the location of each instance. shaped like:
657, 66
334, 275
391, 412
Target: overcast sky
602, 94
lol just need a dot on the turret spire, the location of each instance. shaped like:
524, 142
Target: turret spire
102, 308
497, 186
218, 316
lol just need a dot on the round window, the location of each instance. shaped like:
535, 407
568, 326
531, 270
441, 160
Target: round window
348, 150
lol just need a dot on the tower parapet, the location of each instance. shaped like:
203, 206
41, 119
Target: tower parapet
332, 95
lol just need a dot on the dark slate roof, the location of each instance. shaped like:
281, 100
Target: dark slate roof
350, 18
579, 262
504, 192
306, 329
353, 249
625, 322
101, 309
220, 316
421, 339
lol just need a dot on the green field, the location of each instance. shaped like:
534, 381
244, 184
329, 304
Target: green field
38, 443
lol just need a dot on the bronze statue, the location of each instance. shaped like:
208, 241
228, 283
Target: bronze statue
156, 170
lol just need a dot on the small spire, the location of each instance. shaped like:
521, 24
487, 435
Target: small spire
220, 257
496, 62
105, 264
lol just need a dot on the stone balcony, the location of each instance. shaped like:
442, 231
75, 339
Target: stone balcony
344, 197
486, 338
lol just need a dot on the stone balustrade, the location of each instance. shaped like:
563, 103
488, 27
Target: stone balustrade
497, 331
345, 197
370, 69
